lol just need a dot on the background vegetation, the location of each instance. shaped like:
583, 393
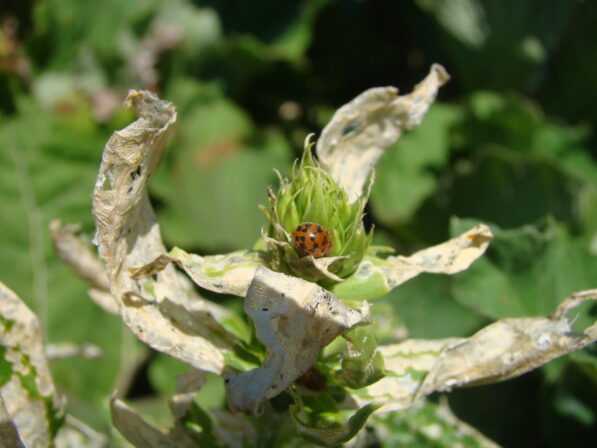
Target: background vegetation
511, 143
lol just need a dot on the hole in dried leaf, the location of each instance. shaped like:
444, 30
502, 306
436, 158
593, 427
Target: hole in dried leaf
106, 184
136, 174
350, 128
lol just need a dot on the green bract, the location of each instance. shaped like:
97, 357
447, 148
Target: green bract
312, 195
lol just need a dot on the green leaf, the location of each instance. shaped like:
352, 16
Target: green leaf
428, 308
526, 272
362, 364
199, 425
323, 424
361, 288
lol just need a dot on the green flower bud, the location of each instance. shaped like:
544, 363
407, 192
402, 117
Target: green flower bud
312, 195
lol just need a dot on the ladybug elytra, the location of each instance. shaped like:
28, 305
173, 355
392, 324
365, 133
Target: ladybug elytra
312, 239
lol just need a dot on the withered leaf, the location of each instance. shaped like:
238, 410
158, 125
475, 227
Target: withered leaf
226, 274
294, 319
31, 409
502, 350
359, 132
453, 256
163, 310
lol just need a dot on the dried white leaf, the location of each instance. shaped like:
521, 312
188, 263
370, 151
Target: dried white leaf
510, 347
226, 274
406, 364
359, 132
75, 433
234, 430
73, 251
76, 253
142, 434
187, 386
163, 311
294, 319
30, 402
9, 434
502, 350
104, 300
453, 256
69, 350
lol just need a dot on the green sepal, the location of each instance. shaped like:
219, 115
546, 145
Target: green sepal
318, 420
362, 364
199, 425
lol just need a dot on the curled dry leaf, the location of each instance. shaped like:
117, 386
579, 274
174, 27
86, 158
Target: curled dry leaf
226, 274
453, 256
294, 319
31, 405
510, 347
187, 386
163, 310
76, 253
234, 429
142, 434
406, 365
502, 350
378, 276
75, 433
359, 132
68, 350
104, 300
9, 435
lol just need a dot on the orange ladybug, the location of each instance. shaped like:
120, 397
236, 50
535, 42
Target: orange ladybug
312, 239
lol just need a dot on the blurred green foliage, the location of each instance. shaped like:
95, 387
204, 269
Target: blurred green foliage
512, 143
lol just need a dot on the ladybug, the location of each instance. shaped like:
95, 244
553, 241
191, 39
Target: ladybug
312, 239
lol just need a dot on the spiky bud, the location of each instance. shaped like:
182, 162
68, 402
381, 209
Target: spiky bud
312, 195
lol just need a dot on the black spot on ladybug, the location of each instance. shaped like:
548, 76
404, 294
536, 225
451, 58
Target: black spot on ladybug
303, 246
315, 246
302, 238
312, 238
319, 229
